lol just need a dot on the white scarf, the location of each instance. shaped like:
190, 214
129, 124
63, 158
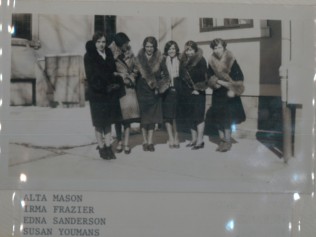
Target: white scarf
102, 54
173, 68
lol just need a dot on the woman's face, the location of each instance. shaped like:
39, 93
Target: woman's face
100, 44
189, 52
219, 50
149, 49
172, 52
125, 47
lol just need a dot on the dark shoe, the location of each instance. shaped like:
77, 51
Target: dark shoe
127, 150
151, 147
196, 147
220, 146
145, 147
110, 152
176, 146
226, 147
191, 144
104, 154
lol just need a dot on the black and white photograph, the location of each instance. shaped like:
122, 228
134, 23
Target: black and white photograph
158, 100
163, 102
147, 118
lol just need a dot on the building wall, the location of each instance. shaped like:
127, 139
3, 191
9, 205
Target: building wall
61, 34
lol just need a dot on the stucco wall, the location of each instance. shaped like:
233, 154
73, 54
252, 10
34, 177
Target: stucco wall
64, 33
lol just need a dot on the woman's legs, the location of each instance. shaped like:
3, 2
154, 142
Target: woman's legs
150, 139
199, 136
200, 133
148, 131
176, 135
144, 132
99, 136
118, 130
228, 134
103, 136
170, 134
193, 136
107, 135
225, 136
127, 149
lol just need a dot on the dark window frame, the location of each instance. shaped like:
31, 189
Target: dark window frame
204, 28
22, 24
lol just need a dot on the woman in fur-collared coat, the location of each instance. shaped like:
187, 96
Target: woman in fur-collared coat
226, 80
153, 81
104, 91
126, 69
193, 73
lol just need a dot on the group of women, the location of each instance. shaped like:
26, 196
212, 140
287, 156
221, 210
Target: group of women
154, 88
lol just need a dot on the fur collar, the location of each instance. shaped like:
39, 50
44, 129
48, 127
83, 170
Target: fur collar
223, 64
90, 47
192, 61
148, 68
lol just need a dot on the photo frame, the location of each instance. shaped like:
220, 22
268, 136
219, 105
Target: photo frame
48, 145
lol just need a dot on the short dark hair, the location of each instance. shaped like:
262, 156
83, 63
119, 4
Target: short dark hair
98, 35
152, 40
168, 46
192, 45
218, 41
120, 39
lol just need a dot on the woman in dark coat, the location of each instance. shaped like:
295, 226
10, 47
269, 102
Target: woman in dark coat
193, 72
170, 98
153, 81
104, 91
226, 80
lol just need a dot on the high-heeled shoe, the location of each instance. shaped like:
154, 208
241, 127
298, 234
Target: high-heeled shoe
151, 147
110, 152
226, 146
104, 154
127, 150
191, 144
119, 148
176, 146
196, 147
145, 147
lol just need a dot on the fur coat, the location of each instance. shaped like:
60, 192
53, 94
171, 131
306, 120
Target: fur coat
153, 70
193, 71
226, 108
222, 68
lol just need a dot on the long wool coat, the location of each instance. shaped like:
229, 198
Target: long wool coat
153, 77
104, 101
193, 73
225, 110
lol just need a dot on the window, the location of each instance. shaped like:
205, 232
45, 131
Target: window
105, 24
22, 26
212, 24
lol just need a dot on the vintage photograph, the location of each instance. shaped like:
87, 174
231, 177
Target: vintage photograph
196, 103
